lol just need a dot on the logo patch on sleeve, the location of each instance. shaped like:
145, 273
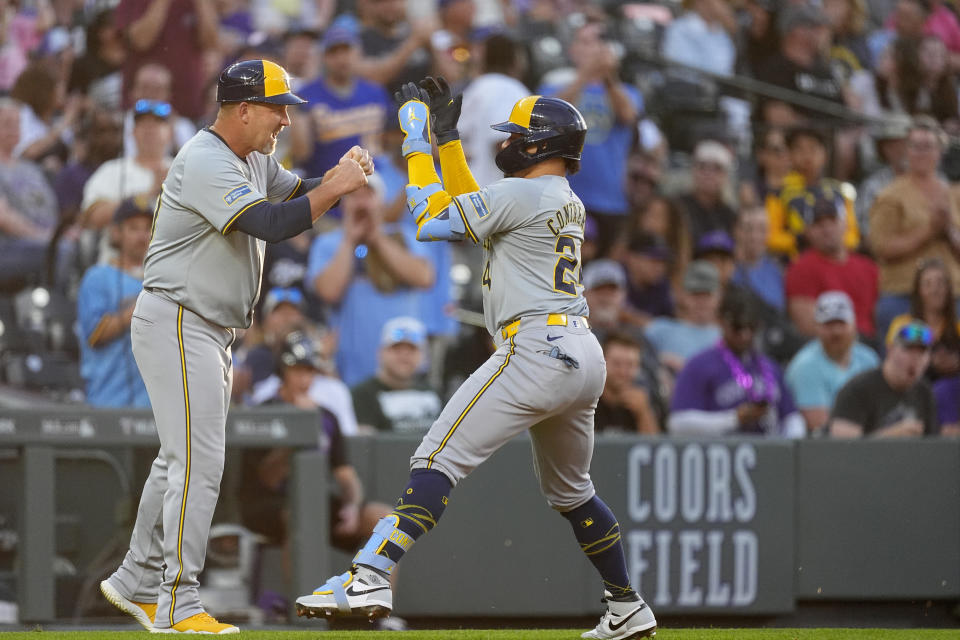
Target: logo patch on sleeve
479, 205
235, 194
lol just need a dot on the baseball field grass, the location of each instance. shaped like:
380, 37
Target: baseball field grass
523, 634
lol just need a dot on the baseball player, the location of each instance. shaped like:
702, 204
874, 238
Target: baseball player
223, 198
548, 370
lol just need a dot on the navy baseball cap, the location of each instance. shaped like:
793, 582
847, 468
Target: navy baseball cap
133, 207
650, 245
337, 35
299, 349
714, 242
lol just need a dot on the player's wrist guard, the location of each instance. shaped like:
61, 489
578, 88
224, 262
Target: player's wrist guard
443, 137
417, 199
414, 118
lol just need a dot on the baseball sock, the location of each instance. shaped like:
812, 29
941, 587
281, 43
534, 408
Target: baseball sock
420, 507
598, 532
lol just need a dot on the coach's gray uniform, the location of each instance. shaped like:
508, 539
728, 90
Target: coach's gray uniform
548, 370
201, 281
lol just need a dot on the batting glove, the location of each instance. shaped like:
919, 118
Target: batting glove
444, 108
414, 115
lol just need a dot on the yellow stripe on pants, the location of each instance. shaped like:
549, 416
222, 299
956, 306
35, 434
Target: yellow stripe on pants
186, 477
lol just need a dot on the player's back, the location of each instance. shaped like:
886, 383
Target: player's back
531, 230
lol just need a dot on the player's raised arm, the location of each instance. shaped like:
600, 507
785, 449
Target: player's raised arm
437, 214
444, 114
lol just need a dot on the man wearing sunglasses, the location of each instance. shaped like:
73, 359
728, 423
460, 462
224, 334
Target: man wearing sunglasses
893, 400
138, 174
222, 200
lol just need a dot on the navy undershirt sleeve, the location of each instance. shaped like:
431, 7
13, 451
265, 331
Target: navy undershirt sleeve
274, 222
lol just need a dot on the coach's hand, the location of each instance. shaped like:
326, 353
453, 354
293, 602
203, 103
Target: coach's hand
346, 177
444, 108
362, 157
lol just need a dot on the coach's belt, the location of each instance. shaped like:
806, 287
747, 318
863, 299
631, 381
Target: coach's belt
553, 320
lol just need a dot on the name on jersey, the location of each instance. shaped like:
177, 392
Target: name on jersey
570, 213
235, 194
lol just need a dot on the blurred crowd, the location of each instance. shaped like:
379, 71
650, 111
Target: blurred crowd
772, 188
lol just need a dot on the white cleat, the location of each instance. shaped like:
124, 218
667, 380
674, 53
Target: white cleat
624, 621
358, 592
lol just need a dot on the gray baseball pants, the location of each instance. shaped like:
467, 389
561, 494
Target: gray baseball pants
545, 378
187, 368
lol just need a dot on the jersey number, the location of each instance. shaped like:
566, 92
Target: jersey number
485, 278
565, 275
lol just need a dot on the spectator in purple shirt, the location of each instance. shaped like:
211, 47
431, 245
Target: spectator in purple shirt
946, 392
732, 387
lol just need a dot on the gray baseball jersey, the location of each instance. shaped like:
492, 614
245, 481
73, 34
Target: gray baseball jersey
531, 230
201, 281
193, 257
548, 369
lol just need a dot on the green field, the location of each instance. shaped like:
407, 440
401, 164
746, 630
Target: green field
526, 634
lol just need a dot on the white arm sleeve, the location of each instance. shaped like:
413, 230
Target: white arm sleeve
692, 422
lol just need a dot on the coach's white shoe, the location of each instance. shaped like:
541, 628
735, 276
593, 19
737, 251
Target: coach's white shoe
358, 592
624, 621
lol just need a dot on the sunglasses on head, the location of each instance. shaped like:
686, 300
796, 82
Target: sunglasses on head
913, 334
153, 108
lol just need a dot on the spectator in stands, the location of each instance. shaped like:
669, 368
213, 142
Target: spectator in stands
369, 271
452, 41
946, 392
263, 485
758, 35
704, 208
154, 82
890, 138
664, 218
695, 327
824, 365
395, 50
326, 390
605, 288
624, 406
716, 248
611, 109
105, 303
174, 34
701, 37
893, 400
755, 269
300, 57
773, 165
397, 398
799, 65
342, 108
28, 206
919, 81
732, 387
99, 138
97, 73
648, 289
805, 185
849, 46
829, 266
127, 176
282, 312
916, 217
489, 98
933, 303
43, 135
